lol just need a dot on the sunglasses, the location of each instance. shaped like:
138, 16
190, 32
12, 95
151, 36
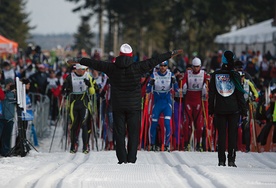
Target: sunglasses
162, 65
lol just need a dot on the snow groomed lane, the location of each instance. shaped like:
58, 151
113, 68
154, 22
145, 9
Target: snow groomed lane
152, 170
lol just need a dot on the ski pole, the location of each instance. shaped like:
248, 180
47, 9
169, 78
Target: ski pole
59, 115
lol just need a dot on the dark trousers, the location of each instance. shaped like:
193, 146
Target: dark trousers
6, 135
223, 123
127, 123
246, 136
79, 117
262, 137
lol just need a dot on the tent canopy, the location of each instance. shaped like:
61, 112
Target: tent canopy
262, 32
7, 46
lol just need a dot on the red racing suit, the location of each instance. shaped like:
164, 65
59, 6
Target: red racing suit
193, 82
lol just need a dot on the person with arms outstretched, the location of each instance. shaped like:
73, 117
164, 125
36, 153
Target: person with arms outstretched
124, 76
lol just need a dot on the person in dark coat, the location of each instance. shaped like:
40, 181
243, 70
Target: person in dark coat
226, 102
124, 76
7, 115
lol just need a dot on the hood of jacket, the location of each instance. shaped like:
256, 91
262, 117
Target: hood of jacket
123, 61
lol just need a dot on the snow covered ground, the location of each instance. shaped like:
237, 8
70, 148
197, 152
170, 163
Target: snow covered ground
99, 169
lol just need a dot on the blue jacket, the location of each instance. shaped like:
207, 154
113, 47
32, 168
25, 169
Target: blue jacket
8, 106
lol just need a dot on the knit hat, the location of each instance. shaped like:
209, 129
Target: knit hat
25, 81
238, 64
228, 57
8, 81
79, 66
41, 66
196, 62
164, 63
126, 50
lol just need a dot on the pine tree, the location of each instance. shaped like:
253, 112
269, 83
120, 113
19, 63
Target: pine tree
14, 23
84, 36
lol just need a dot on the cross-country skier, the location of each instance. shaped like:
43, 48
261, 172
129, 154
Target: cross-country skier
78, 85
194, 81
162, 82
250, 95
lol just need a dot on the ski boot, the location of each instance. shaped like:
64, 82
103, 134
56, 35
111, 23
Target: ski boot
152, 147
167, 148
86, 149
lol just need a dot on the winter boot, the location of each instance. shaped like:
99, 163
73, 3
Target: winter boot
231, 164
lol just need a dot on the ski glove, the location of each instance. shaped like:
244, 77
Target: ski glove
74, 60
176, 52
151, 82
102, 94
173, 80
245, 123
87, 82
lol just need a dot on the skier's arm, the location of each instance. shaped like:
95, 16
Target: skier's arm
253, 90
150, 84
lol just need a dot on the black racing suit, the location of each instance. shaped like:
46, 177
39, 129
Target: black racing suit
79, 112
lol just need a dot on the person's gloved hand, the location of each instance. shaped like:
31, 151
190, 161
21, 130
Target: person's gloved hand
173, 80
73, 61
87, 82
65, 92
245, 122
102, 94
176, 52
152, 82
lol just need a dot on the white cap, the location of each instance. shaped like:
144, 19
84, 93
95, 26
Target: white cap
196, 62
79, 66
126, 50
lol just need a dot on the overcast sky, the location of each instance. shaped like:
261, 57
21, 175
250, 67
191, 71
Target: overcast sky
52, 16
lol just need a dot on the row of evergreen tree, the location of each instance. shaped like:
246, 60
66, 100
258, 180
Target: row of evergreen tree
147, 24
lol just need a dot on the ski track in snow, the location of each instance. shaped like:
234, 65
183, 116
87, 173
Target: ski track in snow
152, 170
99, 169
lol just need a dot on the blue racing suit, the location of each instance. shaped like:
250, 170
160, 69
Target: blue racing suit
161, 84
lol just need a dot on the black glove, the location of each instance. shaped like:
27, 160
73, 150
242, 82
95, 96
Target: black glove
76, 59
245, 123
87, 82
65, 92
173, 80
260, 122
151, 82
102, 94
176, 52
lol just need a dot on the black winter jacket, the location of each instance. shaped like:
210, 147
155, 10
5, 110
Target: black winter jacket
218, 104
124, 76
